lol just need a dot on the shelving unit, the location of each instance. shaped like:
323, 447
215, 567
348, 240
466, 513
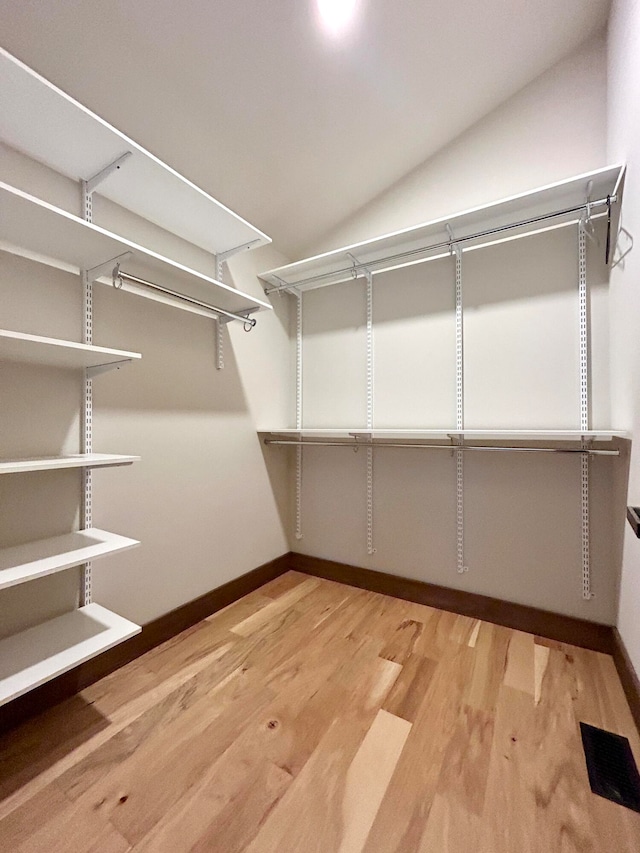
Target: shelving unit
76, 460
79, 144
41, 121
32, 657
577, 202
53, 234
553, 435
52, 352
556, 205
48, 556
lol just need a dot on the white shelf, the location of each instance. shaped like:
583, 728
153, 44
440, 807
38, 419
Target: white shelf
46, 124
382, 253
47, 556
77, 460
49, 232
443, 435
37, 655
35, 349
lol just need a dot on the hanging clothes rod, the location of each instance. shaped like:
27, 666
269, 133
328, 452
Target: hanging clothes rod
587, 207
356, 445
120, 276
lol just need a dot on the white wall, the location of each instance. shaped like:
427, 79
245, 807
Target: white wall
553, 128
624, 145
522, 513
205, 504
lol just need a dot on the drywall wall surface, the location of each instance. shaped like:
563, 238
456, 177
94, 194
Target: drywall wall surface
205, 503
624, 145
521, 349
552, 129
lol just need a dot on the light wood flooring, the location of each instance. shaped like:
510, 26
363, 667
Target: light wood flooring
312, 717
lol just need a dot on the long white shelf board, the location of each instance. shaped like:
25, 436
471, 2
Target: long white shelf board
77, 460
48, 125
444, 434
35, 349
33, 560
48, 231
407, 246
37, 655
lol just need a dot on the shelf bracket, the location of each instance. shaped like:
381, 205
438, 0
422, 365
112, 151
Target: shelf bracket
98, 369
236, 250
92, 184
107, 267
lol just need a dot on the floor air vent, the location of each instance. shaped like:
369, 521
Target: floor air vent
613, 773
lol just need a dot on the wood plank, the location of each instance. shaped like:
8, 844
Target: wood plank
403, 814
368, 778
276, 608
408, 692
520, 670
509, 816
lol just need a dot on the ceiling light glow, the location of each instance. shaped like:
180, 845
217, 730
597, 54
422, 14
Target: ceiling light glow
336, 15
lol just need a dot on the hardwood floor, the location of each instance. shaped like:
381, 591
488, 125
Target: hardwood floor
312, 717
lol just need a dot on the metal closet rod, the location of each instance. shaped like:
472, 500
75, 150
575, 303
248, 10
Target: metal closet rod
448, 447
119, 275
607, 202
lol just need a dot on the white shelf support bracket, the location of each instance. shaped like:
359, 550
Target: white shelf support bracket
91, 184
87, 435
459, 454
370, 379
219, 326
584, 407
298, 531
107, 268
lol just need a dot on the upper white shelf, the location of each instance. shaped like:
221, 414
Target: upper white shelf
474, 226
39, 654
43, 557
35, 349
79, 144
49, 232
53, 463
443, 434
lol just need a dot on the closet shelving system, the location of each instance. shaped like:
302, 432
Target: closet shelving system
578, 202
43, 122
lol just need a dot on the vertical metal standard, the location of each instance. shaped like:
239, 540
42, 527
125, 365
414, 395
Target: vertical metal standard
219, 325
87, 436
584, 408
369, 278
459, 414
298, 532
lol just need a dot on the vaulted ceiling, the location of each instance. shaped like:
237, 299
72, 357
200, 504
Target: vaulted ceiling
294, 129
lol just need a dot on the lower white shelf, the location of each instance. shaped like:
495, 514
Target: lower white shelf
77, 460
37, 655
47, 556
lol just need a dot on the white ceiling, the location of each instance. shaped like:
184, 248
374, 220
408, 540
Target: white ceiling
290, 129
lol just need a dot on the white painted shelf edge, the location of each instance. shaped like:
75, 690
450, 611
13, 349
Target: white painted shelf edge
443, 434
32, 560
336, 266
79, 144
76, 460
32, 657
36, 349
33, 224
